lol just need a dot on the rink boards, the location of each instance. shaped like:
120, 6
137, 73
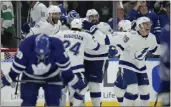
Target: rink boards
8, 98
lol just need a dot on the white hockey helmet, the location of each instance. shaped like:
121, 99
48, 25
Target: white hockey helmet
92, 12
54, 9
140, 21
105, 28
76, 23
125, 25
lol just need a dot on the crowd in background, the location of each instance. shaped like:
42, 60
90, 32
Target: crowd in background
157, 11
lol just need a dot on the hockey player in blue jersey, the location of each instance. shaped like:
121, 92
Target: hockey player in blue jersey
164, 92
43, 62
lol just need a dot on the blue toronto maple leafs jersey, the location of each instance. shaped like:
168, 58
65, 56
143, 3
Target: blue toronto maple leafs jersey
31, 66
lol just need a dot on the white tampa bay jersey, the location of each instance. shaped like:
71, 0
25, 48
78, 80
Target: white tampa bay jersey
45, 27
75, 43
38, 12
134, 49
102, 53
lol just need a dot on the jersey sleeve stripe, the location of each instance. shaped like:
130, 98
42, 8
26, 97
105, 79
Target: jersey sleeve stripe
73, 81
92, 56
63, 65
121, 62
77, 67
15, 70
153, 50
107, 41
120, 46
98, 46
19, 65
65, 68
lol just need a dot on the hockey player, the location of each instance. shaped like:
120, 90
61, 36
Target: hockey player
164, 92
51, 25
43, 62
96, 62
67, 19
75, 41
123, 26
132, 61
37, 12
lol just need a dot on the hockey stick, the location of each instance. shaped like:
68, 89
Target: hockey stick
155, 104
16, 88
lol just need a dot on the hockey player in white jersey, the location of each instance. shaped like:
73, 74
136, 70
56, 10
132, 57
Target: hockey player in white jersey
37, 12
135, 46
96, 62
49, 26
75, 41
123, 26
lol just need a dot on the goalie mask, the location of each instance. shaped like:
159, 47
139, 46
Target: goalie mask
54, 14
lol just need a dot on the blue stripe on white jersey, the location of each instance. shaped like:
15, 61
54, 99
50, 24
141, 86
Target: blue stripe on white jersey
78, 68
88, 56
130, 66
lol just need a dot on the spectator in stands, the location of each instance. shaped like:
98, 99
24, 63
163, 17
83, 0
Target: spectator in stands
104, 8
165, 17
140, 10
120, 16
128, 6
7, 25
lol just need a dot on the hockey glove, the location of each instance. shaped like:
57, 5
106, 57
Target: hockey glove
6, 80
87, 25
79, 84
112, 51
25, 28
64, 20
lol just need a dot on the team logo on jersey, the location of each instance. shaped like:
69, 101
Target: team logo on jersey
140, 55
19, 54
4, 7
41, 68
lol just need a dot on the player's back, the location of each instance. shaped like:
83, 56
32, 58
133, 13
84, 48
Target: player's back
75, 43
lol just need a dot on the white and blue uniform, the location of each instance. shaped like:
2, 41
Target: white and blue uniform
132, 62
96, 62
50, 73
43, 26
75, 43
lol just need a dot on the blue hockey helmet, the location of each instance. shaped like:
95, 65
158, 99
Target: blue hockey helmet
72, 15
42, 45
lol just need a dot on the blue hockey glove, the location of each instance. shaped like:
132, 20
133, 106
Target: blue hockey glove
63, 19
6, 80
25, 28
113, 51
79, 84
87, 25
